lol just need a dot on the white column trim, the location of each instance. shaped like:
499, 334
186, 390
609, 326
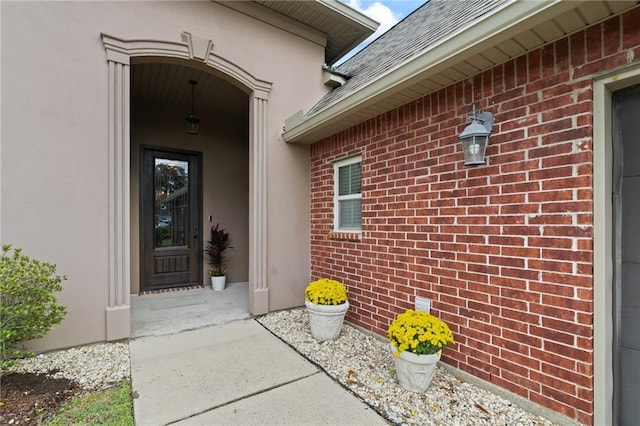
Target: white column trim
259, 299
118, 308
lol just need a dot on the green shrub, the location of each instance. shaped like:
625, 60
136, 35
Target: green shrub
28, 307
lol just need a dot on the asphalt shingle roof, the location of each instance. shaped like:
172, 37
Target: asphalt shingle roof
428, 25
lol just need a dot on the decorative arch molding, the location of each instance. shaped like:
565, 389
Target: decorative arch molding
190, 48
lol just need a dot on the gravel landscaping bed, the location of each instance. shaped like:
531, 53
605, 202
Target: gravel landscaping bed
92, 367
364, 364
34, 388
359, 361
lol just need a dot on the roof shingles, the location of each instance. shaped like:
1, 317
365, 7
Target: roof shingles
428, 25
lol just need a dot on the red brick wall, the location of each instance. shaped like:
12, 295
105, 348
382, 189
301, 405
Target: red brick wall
503, 250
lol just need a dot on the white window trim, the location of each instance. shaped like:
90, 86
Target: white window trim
337, 199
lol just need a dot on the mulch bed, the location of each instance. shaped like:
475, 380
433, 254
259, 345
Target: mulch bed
28, 398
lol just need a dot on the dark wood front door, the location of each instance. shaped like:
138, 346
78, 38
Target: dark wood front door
170, 206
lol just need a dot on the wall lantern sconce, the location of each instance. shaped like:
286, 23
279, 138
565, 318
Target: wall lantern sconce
193, 122
475, 137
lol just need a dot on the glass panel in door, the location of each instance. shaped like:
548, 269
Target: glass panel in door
171, 205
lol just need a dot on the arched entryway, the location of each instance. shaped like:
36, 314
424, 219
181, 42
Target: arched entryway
198, 54
183, 183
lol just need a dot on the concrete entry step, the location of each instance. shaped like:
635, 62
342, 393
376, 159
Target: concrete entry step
174, 312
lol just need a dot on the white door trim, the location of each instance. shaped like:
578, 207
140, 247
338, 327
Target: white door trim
603, 87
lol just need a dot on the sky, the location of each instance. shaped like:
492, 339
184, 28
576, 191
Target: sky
387, 12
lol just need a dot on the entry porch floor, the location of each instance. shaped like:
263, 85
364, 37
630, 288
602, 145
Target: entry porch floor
176, 311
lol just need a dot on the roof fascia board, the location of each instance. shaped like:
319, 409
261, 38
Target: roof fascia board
350, 14
493, 28
277, 20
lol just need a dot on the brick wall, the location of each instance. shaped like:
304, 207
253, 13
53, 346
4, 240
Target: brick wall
503, 250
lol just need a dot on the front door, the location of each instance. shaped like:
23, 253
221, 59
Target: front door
170, 198
627, 286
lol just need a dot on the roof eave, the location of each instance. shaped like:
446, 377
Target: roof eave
351, 14
493, 28
367, 25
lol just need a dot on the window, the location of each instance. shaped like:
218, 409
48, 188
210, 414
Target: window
347, 194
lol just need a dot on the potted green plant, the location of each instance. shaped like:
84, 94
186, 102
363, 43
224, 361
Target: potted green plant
327, 304
417, 339
214, 248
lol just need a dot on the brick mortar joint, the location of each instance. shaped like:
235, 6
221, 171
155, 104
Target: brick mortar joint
345, 236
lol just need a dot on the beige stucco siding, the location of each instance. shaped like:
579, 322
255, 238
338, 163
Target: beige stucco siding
54, 156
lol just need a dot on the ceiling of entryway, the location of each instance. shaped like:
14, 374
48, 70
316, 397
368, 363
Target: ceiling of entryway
169, 84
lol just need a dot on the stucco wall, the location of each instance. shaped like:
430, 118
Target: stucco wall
55, 171
505, 250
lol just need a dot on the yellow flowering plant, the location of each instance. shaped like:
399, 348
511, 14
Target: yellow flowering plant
326, 292
419, 332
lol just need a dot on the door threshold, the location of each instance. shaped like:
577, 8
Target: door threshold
170, 290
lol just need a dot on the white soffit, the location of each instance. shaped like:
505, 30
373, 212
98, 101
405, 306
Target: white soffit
506, 33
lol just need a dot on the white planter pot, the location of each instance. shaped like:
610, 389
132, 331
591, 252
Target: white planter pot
326, 320
415, 372
218, 283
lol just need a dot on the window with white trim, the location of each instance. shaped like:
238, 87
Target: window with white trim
347, 194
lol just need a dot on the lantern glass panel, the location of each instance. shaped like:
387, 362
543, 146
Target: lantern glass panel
193, 124
192, 128
474, 148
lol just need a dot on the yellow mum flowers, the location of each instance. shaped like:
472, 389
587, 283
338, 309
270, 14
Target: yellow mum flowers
326, 292
419, 333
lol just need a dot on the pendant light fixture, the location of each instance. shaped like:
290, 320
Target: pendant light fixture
193, 121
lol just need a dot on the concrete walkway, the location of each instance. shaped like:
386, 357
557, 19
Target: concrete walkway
234, 373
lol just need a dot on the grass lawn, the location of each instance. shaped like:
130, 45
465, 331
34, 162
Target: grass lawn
109, 407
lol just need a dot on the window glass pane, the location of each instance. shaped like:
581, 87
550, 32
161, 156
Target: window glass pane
356, 177
350, 214
349, 177
343, 180
171, 180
